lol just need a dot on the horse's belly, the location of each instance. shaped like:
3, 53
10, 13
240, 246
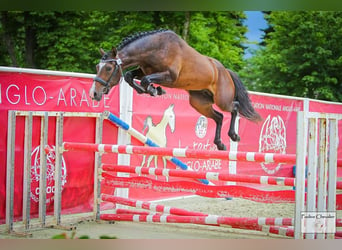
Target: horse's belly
195, 84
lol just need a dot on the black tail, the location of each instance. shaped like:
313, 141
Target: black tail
241, 95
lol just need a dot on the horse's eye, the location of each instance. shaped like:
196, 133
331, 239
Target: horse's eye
108, 68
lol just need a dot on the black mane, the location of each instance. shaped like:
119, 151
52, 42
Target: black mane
137, 36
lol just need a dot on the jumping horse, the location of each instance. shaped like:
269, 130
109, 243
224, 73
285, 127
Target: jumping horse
162, 57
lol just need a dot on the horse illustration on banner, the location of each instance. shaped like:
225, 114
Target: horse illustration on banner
157, 133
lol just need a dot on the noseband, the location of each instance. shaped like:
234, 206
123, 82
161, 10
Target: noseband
118, 63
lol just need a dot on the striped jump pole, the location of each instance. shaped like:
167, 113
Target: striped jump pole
238, 223
149, 206
213, 176
210, 219
142, 138
183, 152
123, 211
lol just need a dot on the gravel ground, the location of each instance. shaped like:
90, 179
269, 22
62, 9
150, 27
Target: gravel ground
131, 230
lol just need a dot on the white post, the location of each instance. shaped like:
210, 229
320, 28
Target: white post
233, 147
332, 167
58, 168
10, 170
322, 169
42, 168
97, 165
302, 125
126, 110
27, 170
312, 169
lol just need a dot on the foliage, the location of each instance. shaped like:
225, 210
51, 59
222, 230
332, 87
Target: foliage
302, 56
69, 41
219, 35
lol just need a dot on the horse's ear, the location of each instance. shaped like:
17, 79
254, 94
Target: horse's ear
114, 51
102, 52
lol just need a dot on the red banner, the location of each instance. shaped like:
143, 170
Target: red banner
34, 92
179, 125
168, 120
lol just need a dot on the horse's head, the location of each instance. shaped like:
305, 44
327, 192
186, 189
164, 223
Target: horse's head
108, 74
171, 117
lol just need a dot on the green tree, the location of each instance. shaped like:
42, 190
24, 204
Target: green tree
219, 35
69, 41
302, 56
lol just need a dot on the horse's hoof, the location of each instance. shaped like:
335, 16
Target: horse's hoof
221, 146
152, 90
235, 138
160, 91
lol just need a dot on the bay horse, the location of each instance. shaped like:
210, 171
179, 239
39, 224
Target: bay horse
162, 57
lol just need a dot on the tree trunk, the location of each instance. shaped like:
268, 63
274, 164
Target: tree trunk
29, 41
7, 39
186, 26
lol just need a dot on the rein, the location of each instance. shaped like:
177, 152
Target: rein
118, 63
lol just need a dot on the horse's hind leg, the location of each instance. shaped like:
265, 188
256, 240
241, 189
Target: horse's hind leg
202, 101
225, 95
232, 134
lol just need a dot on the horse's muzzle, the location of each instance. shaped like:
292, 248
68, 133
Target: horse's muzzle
95, 95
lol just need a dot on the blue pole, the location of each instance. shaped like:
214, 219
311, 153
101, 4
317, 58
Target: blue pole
142, 138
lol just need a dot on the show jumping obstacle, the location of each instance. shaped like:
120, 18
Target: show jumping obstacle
188, 153
142, 138
302, 155
326, 124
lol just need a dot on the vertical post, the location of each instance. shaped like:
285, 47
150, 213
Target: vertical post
10, 170
126, 107
97, 175
27, 171
332, 168
312, 169
322, 170
233, 147
301, 149
58, 168
42, 169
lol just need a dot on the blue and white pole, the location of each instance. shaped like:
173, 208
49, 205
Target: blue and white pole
142, 138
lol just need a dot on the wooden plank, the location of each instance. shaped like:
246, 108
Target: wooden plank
10, 170
27, 171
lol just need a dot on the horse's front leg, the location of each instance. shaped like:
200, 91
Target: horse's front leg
158, 78
129, 78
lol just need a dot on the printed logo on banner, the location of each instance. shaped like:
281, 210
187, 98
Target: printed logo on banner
50, 174
157, 133
272, 140
201, 127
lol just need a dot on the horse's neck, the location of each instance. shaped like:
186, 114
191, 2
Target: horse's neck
157, 132
163, 123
